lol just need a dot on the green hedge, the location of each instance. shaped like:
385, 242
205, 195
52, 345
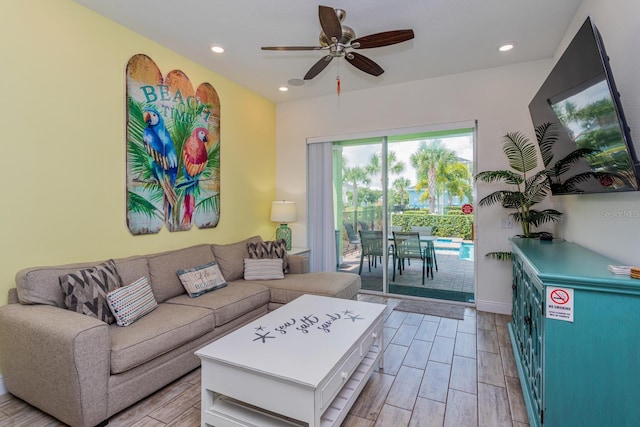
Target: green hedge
453, 225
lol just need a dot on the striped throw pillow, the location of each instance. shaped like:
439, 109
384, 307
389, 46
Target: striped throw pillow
263, 269
129, 303
270, 249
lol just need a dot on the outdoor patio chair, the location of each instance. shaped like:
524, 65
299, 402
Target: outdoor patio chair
426, 230
407, 246
352, 236
423, 230
374, 245
363, 225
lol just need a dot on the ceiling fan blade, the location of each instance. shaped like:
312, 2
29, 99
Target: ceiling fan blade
385, 38
330, 23
363, 63
291, 48
317, 67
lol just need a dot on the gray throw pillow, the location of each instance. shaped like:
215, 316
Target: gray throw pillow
272, 249
85, 291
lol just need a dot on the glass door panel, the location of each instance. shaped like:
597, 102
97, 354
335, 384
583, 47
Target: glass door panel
410, 183
359, 210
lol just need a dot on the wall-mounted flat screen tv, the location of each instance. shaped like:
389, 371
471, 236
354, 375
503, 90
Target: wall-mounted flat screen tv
593, 152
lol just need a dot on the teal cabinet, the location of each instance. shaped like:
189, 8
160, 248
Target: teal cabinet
584, 372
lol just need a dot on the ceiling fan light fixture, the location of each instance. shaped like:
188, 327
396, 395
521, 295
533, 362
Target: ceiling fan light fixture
295, 82
217, 49
338, 40
506, 47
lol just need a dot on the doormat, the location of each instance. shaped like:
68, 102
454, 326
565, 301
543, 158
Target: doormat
419, 291
431, 308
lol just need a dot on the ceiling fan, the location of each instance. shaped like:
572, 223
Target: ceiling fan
339, 39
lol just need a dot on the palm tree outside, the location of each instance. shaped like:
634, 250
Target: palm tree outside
457, 182
400, 193
430, 161
354, 176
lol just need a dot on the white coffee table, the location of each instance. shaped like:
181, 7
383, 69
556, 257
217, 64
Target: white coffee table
302, 364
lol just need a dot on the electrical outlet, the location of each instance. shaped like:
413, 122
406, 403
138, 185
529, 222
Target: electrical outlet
506, 222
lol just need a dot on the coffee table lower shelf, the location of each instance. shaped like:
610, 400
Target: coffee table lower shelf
228, 412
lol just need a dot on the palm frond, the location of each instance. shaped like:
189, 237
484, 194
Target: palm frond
500, 256
579, 178
536, 188
536, 218
546, 135
513, 200
140, 205
563, 165
520, 152
507, 176
210, 204
493, 198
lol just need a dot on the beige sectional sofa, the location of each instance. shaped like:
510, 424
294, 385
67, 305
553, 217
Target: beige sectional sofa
83, 371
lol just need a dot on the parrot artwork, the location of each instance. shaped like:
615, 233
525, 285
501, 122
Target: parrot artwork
194, 159
164, 160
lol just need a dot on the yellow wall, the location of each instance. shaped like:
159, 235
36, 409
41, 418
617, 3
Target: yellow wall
62, 117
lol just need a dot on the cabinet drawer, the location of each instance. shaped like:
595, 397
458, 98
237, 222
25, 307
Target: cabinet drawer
339, 378
370, 338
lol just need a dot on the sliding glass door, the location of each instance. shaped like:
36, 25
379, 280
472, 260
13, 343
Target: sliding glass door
399, 212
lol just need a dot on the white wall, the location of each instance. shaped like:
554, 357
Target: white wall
610, 223
497, 98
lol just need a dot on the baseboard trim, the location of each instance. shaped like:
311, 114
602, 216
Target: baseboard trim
3, 389
493, 307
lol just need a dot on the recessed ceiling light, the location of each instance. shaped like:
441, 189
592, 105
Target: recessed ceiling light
217, 49
505, 47
283, 88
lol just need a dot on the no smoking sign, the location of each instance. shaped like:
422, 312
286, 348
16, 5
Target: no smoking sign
559, 304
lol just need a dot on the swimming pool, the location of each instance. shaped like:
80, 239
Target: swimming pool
464, 250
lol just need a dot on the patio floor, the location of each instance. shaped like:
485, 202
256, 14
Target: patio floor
454, 280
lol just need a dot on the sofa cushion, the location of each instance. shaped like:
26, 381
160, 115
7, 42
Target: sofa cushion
270, 249
334, 284
202, 279
263, 269
167, 327
131, 302
132, 268
85, 291
229, 303
162, 269
231, 257
41, 285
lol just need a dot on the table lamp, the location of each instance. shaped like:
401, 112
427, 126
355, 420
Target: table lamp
283, 212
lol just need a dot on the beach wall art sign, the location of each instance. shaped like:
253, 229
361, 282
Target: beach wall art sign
172, 150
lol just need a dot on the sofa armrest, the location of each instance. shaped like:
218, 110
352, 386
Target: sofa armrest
298, 264
56, 360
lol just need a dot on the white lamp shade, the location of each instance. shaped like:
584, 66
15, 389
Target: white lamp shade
283, 211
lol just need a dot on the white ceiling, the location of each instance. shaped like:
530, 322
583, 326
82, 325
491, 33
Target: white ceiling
451, 36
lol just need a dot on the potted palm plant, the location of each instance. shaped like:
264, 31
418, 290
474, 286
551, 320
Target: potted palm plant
526, 188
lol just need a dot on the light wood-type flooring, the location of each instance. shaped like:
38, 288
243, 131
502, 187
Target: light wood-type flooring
437, 372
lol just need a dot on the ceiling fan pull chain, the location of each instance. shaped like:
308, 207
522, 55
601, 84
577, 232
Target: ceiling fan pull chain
338, 79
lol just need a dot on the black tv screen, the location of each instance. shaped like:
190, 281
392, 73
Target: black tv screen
593, 152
